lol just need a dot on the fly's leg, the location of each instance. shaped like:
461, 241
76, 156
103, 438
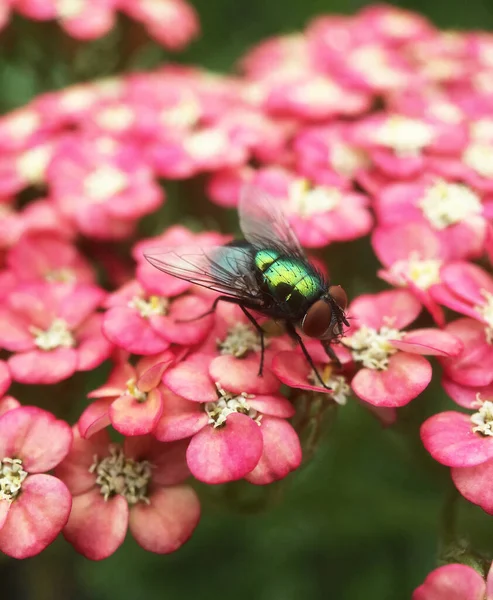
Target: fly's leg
261, 333
211, 311
252, 320
294, 335
330, 353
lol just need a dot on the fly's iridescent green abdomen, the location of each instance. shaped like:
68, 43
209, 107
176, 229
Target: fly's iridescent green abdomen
288, 280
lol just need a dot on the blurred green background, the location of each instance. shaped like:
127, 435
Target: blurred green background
363, 519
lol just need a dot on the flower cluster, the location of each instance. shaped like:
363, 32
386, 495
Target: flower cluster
172, 23
374, 125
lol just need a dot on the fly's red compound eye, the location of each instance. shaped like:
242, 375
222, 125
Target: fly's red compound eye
317, 320
339, 296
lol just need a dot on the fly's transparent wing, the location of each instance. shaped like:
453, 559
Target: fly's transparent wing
224, 269
264, 224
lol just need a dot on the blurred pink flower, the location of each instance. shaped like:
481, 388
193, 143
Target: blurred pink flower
222, 409
53, 331
8, 403
137, 486
455, 582
33, 506
43, 256
453, 211
102, 186
319, 215
172, 23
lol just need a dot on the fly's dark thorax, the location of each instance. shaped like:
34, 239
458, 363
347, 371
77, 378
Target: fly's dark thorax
289, 283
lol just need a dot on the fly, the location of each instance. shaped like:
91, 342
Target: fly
268, 273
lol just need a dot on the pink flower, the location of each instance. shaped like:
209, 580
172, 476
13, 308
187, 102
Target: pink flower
453, 211
138, 485
34, 506
292, 368
467, 289
53, 331
180, 154
20, 128
4, 13
173, 23
413, 258
472, 367
131, 399
456, 439
392, 371
325, 154
398, 145
87, 20
145, 323
43, 256
319, 215
102, 186
236, 420
8, 403
311, 96
455, 582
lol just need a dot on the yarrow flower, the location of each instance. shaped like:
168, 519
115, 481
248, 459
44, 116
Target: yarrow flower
392, 371
455, 582
53, 331
137, 485
222, 409
34, 506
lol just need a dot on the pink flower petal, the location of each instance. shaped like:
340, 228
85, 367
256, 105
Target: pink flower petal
117, 381
472, 366
450, 439
8, 403
129, 416
92, 348
95, 417
224, 369
405, 378
466, 396
169, 464
474, 483
226, 453
35, 436
4, 511
168, 521
274, 406
191, 379
5, 379
96, 528
293, 369
432, 342
43, 367
180, 418
188, 334
127, 329
281, 454
371, 309
467, 281
14, 332
451, 582
36, 517
74, 470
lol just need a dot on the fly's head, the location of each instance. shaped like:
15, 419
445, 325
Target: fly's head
325, 318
